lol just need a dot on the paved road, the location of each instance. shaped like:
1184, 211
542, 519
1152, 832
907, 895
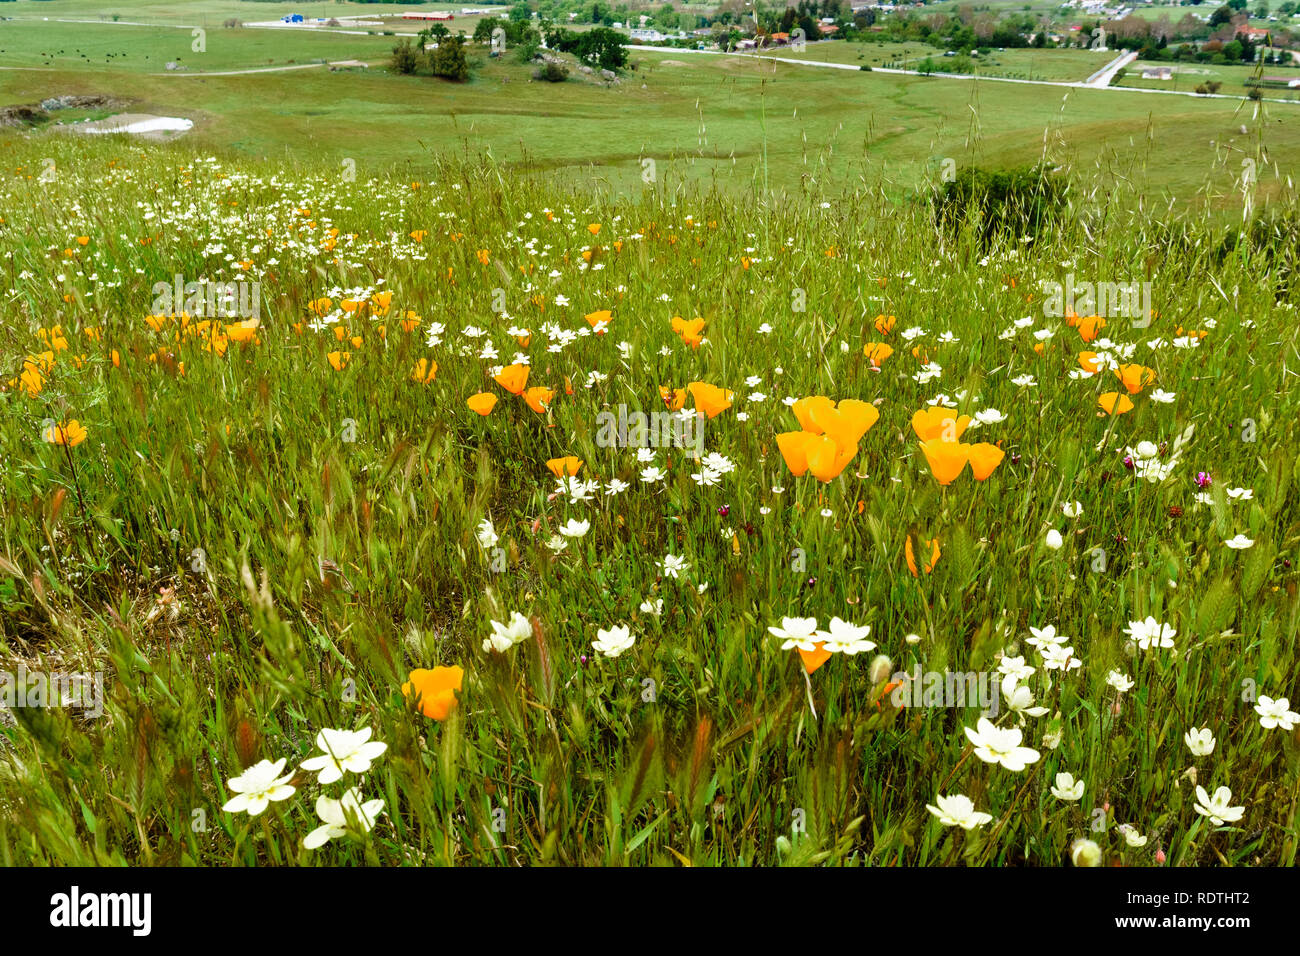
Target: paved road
1102, 77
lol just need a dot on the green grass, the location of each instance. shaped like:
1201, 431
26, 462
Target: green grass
703, 119
210, 12
178, 550
1050, 65
71, 46
1188, 76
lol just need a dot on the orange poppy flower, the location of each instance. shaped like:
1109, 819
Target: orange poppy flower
483, 402
674, 398
380, 302
513, 378
1135, 377
1113, 403
710, 399
424, 371
885, 323
245, 331
70, 433
847, 422
814, 659
596, 318
939, 422
1088, 362
877, 352
539, 397
411, 322
827, 458
594, 228
31, 378
434, 691
568, 465
1089, 327
338, 360
911, 558
794, 449
804, 408
947, 458
984, 458
692, 332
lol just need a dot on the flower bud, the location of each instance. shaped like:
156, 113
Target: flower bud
1054, 539
880, 669
1085, 853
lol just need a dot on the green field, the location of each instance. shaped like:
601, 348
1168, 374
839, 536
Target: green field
66, 47
1188, 76
1052, 65
707, 119
211, 12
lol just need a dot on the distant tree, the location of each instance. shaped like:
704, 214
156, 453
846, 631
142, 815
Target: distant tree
521, 11
405, 58
601, 47
1221, 16
449, 60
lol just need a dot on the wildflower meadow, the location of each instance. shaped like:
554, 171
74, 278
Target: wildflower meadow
471, 519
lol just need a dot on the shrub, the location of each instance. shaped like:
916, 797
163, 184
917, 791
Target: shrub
551, 73
405, 58
1021, 202
449, 60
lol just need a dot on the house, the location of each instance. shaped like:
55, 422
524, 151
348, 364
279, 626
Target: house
647, 36
1253, 33
829, 29
779, 39
418, 15
1157, 73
